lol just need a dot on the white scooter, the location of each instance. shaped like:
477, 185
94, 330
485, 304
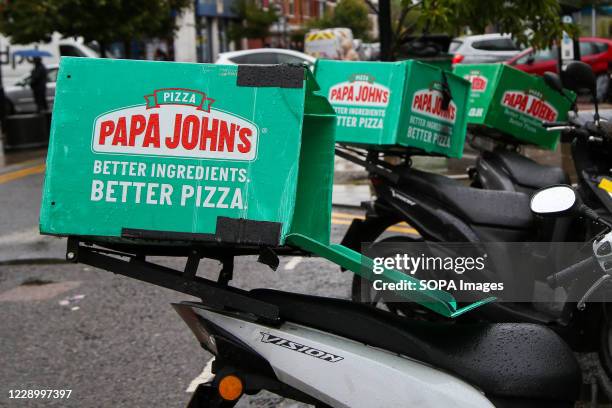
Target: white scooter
331, 352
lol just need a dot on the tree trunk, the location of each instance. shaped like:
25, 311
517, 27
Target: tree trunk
384, 27
127, 49
102, 49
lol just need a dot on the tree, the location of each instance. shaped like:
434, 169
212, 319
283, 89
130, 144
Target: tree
253, 21
351, 14
354, 15
105, 21
536, 23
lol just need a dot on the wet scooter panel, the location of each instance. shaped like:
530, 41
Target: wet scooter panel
338, 371
478, 353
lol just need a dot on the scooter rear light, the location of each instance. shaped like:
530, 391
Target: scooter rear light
230, 388
457, 58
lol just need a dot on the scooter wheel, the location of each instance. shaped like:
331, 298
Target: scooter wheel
363, 292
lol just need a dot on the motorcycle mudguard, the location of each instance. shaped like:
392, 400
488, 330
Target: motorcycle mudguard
438, 301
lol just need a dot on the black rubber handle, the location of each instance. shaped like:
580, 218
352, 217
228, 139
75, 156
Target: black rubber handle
567, 275
606, 129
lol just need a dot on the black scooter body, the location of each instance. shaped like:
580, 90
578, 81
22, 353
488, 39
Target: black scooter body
445, 210
508, 170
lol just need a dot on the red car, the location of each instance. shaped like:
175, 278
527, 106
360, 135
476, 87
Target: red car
597, 52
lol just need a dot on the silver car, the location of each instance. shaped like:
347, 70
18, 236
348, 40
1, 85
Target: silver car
485, 48
19, 97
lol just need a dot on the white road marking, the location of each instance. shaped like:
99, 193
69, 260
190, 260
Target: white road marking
293, 262
21, 237
31, 293
205, 376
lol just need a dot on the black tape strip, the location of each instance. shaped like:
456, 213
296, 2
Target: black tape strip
241, 231
134, 233
229, 231
280, 76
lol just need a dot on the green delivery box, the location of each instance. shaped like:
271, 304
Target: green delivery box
387, 104
174, 152
507, 102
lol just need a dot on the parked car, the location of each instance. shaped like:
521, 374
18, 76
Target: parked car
19, 97
57, 47
265, 56
485, 48
597, 52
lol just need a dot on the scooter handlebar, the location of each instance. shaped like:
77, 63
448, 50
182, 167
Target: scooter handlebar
567, 275
555, 124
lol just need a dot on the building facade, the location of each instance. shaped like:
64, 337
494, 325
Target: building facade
203, 28
203, 31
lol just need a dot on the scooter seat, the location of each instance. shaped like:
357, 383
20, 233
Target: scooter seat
524, 171
509, 361
485, 207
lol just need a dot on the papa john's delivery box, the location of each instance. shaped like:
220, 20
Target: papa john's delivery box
389, 104
174, 152
513, 103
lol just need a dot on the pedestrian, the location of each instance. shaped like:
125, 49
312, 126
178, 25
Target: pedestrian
160, 55
38, 83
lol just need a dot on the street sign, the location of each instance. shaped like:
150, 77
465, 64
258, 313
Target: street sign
568, 50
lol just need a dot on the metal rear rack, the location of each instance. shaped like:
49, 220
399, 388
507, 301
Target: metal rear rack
372, 159
215, 294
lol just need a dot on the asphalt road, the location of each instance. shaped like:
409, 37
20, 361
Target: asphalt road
112, 340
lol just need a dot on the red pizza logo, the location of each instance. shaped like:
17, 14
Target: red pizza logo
529, 104
479, 82
360, 93
176, 122
429, 102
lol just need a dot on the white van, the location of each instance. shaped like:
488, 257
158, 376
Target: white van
330, 43
15, 67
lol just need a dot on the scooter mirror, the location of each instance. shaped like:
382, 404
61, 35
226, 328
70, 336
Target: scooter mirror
554, 81
579, 76
554, 201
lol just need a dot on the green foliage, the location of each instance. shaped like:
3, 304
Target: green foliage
28, 21
536, 23
105, 21
253, 22
351, 14
354, 15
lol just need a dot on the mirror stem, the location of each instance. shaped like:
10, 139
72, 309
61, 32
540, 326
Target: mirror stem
596, 115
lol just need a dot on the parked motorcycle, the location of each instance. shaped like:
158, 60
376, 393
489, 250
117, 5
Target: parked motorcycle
444, 210
335, 353
331, 352
503, 167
